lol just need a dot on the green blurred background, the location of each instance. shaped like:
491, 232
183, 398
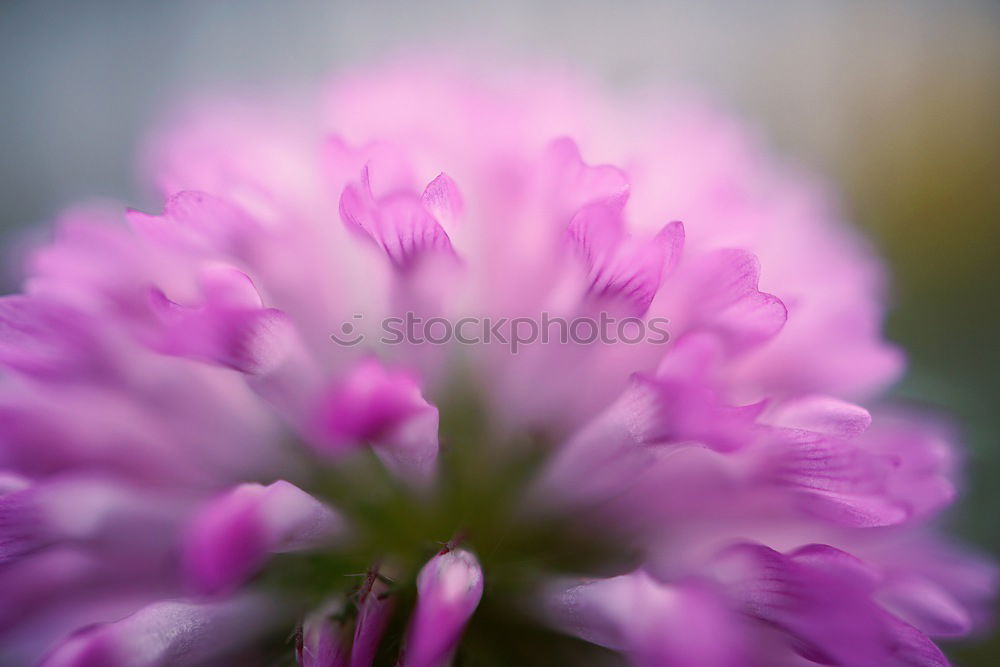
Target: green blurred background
897, 102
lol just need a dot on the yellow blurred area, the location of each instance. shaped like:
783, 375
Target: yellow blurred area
921, 166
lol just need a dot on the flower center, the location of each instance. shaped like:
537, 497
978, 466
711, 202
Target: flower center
478, 501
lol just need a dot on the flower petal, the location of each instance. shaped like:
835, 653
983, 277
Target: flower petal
654, 624
233, 535
230, 328
176, 633
399, 223
384, 408
442, 199
620, 267
449, 588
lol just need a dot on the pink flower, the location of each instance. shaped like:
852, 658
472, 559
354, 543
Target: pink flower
449, 588
631, 383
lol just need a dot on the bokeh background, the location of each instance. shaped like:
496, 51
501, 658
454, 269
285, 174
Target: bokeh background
896, 102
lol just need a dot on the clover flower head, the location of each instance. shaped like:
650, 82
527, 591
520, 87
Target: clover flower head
444, 364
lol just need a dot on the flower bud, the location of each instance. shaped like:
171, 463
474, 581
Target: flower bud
324, 639
449, 588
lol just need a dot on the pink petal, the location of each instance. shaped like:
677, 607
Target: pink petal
232, 536
196, 220
723, 297
175, 633
375, 608
576, 183
324, 640
619, 267
230, 328
442, 199
449, 588
822, 598
48, 339
385, 408
926, 605
399, 223
83, 510
822, 414
654, 624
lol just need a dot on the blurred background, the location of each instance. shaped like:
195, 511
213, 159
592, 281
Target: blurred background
897, 102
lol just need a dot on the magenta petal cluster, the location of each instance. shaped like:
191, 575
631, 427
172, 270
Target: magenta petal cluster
225, 438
